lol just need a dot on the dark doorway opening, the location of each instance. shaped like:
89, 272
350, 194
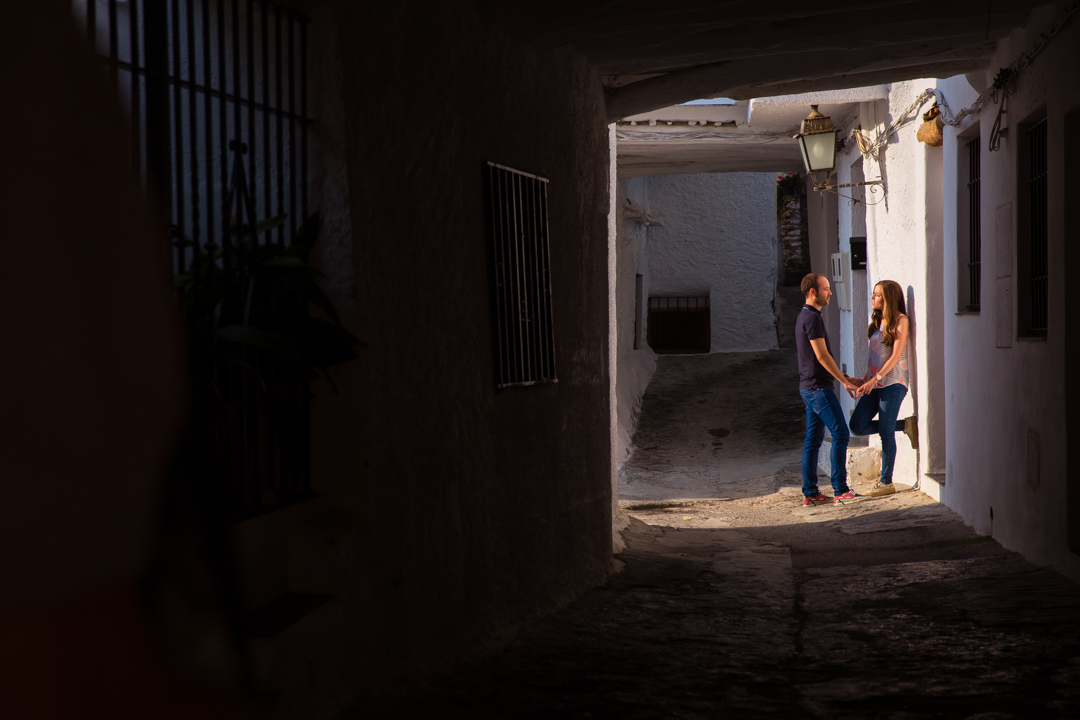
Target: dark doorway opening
679, 325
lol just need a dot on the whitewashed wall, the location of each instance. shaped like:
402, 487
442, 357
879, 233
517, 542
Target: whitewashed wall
635, 367
991, 405
997, 396
718, 239
903, 228
851, 347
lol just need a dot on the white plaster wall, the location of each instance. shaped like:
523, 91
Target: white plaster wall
619, 436
457, 574
851, 347
634, 366
900, 229
823, 224
996, 395
718, 239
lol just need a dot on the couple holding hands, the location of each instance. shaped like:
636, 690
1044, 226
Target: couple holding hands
880, 391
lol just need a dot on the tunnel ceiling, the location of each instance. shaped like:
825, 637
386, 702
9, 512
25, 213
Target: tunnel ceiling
657, 53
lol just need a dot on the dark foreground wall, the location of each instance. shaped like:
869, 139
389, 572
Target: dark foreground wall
451, 512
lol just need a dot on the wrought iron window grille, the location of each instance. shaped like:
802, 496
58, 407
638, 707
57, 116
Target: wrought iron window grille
974, 210
196, 75
1038, 230
524, 352
216, 92
678, 325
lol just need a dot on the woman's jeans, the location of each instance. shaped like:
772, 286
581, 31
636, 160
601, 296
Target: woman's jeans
823, 409
885, 403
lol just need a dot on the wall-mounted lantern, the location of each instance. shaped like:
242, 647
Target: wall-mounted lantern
817, 143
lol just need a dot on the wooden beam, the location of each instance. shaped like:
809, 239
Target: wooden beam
860, 79
555, 24
720, 79
645, 51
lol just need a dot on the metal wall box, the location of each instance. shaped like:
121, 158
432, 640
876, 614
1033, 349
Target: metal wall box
858, 253
840, 266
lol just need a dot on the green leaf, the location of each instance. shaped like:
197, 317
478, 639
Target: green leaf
289, 344
272, 342
308, 231
285, 261
318, 298
241, 239
262, 226
327, 344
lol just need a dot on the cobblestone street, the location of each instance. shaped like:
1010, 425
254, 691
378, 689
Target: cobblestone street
732, 600
924, 620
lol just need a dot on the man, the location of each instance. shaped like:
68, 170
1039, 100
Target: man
817, 369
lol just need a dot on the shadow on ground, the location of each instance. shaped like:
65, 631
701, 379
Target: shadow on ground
719, 425
736, 601
831, 618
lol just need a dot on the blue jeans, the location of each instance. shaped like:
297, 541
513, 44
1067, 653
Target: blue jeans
885, 403
823, 408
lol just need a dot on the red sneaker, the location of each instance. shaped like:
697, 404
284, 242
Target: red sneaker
847, 497
818, 499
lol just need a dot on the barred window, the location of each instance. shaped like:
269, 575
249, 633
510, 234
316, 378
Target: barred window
679, 325
207, 84
521, 277
1033, 236
216, 95
969, 239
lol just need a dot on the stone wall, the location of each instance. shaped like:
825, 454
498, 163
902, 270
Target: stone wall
794, 238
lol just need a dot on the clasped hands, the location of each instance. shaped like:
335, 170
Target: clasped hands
857, 387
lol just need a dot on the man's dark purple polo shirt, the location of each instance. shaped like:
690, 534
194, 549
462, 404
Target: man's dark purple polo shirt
811, 326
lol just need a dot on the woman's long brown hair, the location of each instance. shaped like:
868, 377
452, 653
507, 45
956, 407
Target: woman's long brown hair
893, 296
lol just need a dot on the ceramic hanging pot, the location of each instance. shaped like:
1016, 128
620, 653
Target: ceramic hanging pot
930, 131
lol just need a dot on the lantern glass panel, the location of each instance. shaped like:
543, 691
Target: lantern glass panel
818, 150
802, 151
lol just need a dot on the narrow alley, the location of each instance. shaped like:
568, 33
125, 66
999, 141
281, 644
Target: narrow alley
733, 600
436, 360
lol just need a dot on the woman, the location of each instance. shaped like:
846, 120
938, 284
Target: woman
885, 383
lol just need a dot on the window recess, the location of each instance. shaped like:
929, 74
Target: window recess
524, 351
679, 325
1031, 252
971, 285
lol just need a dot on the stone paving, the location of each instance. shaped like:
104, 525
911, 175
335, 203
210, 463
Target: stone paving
734, 601
891, 612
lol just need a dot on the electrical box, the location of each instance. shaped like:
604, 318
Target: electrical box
858, 253
841, 279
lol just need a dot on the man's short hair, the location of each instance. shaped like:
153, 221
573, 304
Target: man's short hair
811, 282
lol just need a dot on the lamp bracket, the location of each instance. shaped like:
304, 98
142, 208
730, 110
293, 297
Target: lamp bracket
826, 186
823, 187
